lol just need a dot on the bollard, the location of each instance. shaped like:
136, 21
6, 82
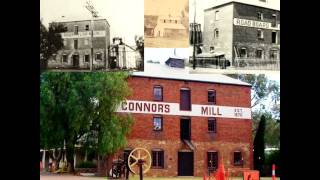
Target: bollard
273, 172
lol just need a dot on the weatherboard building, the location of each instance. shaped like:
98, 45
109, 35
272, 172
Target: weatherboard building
190, 122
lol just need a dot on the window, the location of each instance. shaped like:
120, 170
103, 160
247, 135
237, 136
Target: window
211, 49
212, 158
99, 56
260, 16
243, 52
75, 44
176, 21
185, 99
212, 96
157, 93
86, 58
237, 158
212, 125
157, 123
157, 158
64, 58
76, 30
274, 20
164, 21
216, 33
274, 37
87, 27
216, 15
259, 53
86, 42
260, 34
273, 54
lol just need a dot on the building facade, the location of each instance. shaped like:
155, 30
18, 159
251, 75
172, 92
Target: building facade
247, 31
77, 40
190, 122
169, 26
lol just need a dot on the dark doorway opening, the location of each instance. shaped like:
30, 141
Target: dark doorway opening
185, 129
75, 61
185, 163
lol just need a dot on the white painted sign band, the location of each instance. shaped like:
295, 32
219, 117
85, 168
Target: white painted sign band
84, 34
151, 107
255, 24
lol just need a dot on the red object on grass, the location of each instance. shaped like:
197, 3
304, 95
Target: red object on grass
220, 172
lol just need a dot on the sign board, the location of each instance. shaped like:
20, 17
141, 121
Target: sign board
255, 24
84, 34
151, 107
251, 175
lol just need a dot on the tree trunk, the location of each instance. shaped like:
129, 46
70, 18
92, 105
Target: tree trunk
70, 160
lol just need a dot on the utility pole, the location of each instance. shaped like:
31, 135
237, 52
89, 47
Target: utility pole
94, 14
194, 37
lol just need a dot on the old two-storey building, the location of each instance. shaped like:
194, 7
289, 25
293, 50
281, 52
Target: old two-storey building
189, 122
78, 41
246, 31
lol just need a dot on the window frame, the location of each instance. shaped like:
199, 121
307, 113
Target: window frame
212, 168
98, 53
64, 58
215, 125
190, 103
260, 16
75, 44
154, 97
274, 50
274, 20
161, 120
240, 162
246, 52
216, 33
76, 30
216, 15
87, 29
157, 166
88, 58
276, 37
214, 98
257, 53
260, 35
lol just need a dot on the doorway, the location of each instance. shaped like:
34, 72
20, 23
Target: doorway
185, 163
75, 60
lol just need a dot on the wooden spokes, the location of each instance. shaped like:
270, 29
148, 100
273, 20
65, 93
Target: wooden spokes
139, 154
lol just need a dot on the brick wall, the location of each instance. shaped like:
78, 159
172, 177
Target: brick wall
231, 135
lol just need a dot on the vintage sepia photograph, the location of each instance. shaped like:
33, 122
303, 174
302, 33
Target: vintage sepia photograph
166, 23
235, 36
91, 35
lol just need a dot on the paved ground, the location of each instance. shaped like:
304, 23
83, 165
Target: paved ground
71, 177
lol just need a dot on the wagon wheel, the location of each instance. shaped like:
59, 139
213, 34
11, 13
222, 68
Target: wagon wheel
139, 154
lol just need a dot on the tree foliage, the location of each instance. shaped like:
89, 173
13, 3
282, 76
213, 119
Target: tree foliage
50, 42
76, 107
259, 145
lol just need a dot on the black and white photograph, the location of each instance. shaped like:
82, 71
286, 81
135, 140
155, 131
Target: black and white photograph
81, 35
235, 36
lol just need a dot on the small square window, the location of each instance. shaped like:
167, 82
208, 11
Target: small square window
157, 93
157, 123
237, 158
273, 54
243, 52
212, 125
87, 27
99, 56
157, 159
212, 96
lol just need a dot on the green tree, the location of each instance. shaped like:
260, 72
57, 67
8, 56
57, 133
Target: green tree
50, 42
75, 107
259, 145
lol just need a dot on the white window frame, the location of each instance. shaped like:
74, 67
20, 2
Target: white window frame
260, 15
261, 34
216, 15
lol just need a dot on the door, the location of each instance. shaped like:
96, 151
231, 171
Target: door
185, 163
75, 60
185, 129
